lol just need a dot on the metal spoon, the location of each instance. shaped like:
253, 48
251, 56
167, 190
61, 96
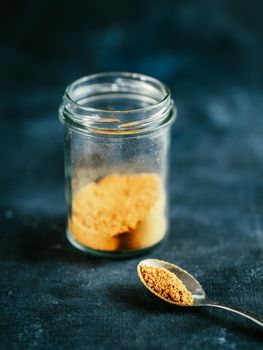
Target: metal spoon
200, 298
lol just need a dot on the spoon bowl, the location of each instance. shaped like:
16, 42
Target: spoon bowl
198, 293
188, 280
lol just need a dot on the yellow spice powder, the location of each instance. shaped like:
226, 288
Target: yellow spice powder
167, 285
121, 211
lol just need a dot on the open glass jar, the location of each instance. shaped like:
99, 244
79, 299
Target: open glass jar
117, 133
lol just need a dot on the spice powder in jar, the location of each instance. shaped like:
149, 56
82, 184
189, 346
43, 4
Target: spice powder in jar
119, 212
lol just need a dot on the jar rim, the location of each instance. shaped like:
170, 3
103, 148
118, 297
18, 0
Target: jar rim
86, 117
142, 77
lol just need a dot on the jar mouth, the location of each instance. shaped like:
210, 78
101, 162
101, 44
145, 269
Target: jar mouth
117, 103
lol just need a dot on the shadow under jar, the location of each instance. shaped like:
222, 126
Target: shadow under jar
117, 135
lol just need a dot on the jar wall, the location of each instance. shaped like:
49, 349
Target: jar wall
116, 190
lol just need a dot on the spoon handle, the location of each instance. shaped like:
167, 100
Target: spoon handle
250, 317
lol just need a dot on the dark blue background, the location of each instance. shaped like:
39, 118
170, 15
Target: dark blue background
210, 53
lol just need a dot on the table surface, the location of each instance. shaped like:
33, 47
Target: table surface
53, 296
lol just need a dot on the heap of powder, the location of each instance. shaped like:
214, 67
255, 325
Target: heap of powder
167, 285
118, 211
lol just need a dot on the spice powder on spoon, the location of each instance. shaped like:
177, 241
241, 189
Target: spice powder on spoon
167, 285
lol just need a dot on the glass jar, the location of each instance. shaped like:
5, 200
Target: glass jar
117, 132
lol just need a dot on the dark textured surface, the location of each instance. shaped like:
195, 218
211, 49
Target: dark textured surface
210, 53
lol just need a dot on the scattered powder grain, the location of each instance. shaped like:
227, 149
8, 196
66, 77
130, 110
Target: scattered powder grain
167, 285
119, 212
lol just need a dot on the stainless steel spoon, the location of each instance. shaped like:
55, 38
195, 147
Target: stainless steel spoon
200, 298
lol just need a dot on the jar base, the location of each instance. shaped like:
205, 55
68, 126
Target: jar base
107, 254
